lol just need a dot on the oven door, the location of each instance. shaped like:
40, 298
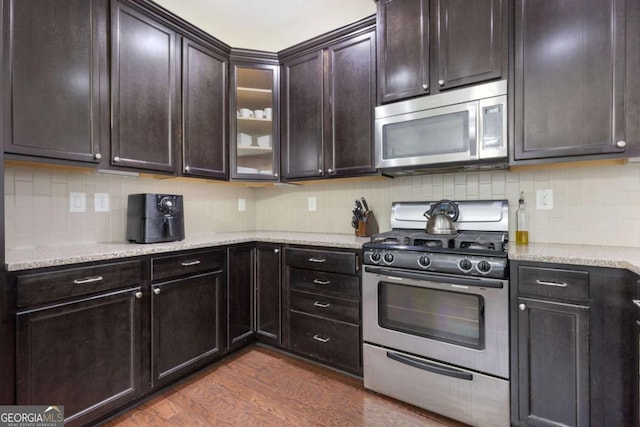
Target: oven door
461, 321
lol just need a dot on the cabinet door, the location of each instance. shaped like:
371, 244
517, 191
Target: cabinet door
268, 303
349, 103
55, 70
553, 360
403, 49
569, 77
144, 91
471, 41
187, 322
84, 355
204, 111
240, 295
302, 122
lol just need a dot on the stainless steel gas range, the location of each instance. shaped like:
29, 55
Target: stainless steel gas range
435, 312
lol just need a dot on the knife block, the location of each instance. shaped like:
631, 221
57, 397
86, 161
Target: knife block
367, 228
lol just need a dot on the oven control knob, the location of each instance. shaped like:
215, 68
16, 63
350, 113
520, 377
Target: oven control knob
424, 261
484, 266
465, 265
375, 257
388, 258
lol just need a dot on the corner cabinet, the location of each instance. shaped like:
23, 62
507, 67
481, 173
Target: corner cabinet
254, 118
425, 47
327, 106
575, 79
55, 78
145, 87
204, 111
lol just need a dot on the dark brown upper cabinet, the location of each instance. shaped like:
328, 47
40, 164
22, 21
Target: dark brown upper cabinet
55, 79
254, 106
425, 47
575, 79
204, 111
145, 82
327, 107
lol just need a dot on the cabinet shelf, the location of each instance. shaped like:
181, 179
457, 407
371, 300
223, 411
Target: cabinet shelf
254, 151
254, 98
254, 126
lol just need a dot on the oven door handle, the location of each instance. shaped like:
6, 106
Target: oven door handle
464, 281
426, 366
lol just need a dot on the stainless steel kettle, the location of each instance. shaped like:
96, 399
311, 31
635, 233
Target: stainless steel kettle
441, 217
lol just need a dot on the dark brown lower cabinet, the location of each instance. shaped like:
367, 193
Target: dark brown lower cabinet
240, 300
267, 291
83, 354
553, 350
187, 317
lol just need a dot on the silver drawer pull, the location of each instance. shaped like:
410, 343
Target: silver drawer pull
319, 338
321, 305
636, 302
87, 280
318, 260
556, 284
322, 282
190, 263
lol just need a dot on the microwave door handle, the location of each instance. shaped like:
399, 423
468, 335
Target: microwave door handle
429, 367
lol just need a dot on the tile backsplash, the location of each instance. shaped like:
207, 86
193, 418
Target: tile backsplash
592, 205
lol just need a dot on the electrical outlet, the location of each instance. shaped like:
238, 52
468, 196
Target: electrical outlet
242, 205
101, 201
312, 204
77, 202
544, 199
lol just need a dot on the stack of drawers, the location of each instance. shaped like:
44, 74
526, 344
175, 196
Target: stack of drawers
324, 306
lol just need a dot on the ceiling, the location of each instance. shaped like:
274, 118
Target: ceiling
268, 25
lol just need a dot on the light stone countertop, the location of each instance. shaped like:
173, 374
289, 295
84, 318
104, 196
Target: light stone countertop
591, 255
23, 259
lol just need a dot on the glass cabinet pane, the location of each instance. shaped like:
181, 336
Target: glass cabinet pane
255, 117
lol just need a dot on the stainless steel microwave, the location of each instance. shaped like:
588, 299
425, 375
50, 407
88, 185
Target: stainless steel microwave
459, 129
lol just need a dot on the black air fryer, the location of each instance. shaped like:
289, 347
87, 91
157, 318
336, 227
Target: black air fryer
153, 218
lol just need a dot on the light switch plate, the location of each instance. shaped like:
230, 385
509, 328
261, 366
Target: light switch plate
77, 202
101, 201
242, 205
544, 199
312, 204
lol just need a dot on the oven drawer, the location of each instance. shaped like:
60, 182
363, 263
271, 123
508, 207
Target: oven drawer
334, 342
179, 265
553, 283
325, 306
318, 281
71, 282
331, 261
467, 396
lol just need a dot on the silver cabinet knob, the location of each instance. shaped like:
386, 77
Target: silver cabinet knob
319, 170
441, 82
187, 168
138, 294
425, 86
522, 307
275, 174
276, 251
116, 159
97, 156
156, 291
621, 144
329, 170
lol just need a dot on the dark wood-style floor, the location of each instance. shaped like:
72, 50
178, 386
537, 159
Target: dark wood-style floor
262, 387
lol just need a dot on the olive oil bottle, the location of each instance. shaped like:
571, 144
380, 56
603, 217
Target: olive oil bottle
522, 231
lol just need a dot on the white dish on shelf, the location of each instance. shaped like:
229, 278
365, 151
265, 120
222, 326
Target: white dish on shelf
244, 139
242, 169
264, 141
266, 172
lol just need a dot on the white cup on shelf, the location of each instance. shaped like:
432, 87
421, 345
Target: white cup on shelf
245, 112
268, 113
258, 114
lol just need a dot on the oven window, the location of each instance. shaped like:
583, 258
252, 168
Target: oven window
448, 316
444, 134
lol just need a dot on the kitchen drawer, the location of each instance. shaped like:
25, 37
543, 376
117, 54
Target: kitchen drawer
319, 281
553, 283
186, 264
331, 261
334, 342
71, 282
346, 310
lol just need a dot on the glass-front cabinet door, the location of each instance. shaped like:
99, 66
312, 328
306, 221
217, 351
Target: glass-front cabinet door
254, 122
